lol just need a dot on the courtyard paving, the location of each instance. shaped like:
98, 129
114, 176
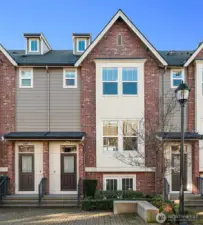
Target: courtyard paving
38, 216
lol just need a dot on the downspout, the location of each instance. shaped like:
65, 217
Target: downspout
48, 99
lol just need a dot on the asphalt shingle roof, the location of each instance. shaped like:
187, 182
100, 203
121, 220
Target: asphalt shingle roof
67, 58
51, 58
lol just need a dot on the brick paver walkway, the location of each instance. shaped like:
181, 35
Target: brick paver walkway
64, 216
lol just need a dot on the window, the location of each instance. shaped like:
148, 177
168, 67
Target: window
110, 135
81, 45
117, 182
130, 129
34, 45
127, 184
110, 81
129, 79
119, 40
177, 76
70, 79
26, 78
111, 184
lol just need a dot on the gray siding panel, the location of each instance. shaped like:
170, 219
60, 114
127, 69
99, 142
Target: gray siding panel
32, 104
175, 120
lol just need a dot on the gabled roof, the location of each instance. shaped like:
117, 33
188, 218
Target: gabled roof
195, 53
51, 58
121, 15
8, 56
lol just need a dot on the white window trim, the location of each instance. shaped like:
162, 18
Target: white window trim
117, 81
119, 178
64, 78
176, 70
120, 135
20, 77
33, 39
129, 82
81, 39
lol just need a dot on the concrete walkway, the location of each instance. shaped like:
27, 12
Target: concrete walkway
64, 216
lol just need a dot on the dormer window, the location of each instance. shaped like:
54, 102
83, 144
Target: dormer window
81, 45
33, 45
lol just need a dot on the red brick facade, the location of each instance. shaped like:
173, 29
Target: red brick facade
46, 163
11, 166
7, 103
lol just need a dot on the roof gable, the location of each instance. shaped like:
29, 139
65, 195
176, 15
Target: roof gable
133, 28
200, 47
3, 50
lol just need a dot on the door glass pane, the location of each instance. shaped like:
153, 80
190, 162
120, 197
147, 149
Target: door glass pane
68, 164
27, 164
176, 164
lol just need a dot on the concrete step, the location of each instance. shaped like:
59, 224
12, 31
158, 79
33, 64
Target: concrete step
21, 201
22, 205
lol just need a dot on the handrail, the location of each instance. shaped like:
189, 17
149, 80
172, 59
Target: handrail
200, 185
79, 190
41, 189
3, 188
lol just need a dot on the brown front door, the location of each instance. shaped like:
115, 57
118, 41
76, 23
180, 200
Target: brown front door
176, 172
68, 172
26, 172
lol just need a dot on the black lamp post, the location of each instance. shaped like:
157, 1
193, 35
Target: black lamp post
182, 94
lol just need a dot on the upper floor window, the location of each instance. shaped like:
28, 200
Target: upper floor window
69, 79
129, 81
34, 45
130, 131
110, 135
81, 45
26, 78
110, 81
119, 39
177, 76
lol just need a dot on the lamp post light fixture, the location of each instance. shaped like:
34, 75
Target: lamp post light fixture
182, 95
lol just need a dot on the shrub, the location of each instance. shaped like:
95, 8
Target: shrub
106, 204
119, 195
90, 188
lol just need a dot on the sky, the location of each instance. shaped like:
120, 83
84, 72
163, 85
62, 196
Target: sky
167, 24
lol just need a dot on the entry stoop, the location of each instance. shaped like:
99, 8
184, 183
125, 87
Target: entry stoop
48, 201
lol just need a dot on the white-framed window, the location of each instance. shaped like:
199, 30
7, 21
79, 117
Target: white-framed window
26, 78
110, 81
69, 78
119, 182
33, 45
119, 40
130, 133
129, 81
110, 135
111, 184
81, 44
177, 76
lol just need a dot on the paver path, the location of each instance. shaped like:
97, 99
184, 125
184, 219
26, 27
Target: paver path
64, 216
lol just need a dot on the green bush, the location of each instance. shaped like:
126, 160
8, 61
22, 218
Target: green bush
97, 204
119, 195
90, 188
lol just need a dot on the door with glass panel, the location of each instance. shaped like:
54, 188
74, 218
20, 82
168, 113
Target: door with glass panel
68, 172
26, 172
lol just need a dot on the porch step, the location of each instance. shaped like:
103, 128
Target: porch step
46, 202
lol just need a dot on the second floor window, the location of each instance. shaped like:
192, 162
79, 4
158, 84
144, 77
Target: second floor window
110, 135
81, 45
33, 45
130, 135
130, 81
26, 78
177, 76
70, 79
110, 81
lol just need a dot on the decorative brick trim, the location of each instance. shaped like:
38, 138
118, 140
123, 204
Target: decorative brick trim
11, 166
46, 164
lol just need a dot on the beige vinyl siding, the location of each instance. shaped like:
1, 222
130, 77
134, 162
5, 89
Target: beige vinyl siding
32, 104
175, 119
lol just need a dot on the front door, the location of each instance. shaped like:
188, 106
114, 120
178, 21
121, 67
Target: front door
68, 172
26, 172
176, 172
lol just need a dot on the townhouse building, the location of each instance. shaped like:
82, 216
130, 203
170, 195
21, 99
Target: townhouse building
67, 114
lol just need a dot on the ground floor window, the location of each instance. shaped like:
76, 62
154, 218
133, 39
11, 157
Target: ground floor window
119, 182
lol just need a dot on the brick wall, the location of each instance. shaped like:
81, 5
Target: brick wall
7, 103
107, 48
145, 181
